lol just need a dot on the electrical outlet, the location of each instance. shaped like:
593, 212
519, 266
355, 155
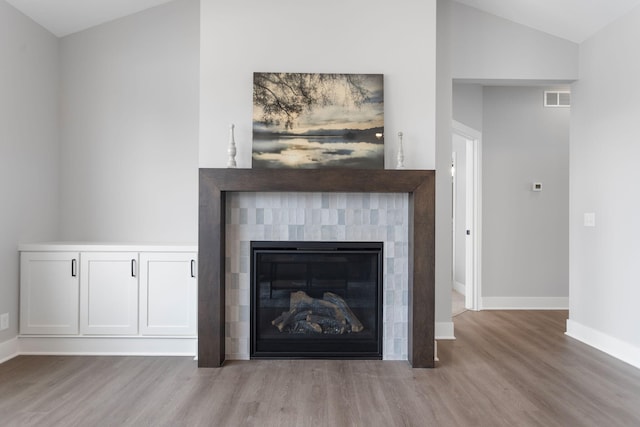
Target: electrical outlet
4, 321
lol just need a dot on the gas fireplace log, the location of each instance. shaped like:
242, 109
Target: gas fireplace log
330, 315
304, 326
322, 310
280, 318
284, 320
351, 318
300, 301
329, 325
302, 315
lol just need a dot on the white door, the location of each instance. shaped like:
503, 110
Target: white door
468, 233
49, 290
168, 294
109, 293
458, 210
469, 229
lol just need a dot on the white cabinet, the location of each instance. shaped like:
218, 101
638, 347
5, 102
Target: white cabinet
168, 294
98, 293
49, 292
109, 293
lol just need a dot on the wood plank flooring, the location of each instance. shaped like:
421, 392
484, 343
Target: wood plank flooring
507, 368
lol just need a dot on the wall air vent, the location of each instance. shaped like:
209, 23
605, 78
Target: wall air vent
556, 98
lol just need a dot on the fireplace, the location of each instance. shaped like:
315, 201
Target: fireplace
216, 183
316, 299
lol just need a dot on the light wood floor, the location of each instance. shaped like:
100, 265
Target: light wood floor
507, 368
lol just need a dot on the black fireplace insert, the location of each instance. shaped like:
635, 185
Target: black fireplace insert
316, 300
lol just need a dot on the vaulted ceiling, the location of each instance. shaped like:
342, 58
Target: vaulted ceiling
64, 17
574, 20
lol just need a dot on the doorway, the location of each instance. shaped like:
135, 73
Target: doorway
466, 221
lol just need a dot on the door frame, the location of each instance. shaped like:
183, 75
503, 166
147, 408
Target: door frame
473, 256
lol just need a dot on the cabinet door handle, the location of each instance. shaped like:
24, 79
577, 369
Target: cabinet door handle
193, 268
133, 268
74, 271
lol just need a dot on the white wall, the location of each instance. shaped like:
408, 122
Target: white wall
396, 39
129, 128
525, 253
488, 47
605, 151
28, 146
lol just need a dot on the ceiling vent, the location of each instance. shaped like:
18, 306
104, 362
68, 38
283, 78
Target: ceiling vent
557, 98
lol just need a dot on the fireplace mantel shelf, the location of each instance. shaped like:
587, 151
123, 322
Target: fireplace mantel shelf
214, 183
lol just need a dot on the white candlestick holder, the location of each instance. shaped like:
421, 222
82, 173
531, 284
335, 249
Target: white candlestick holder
232, 148
400, 163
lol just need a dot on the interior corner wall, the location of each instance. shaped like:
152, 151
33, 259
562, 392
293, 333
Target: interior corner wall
525, 250
28, 147
604, 287
467, 104
397, 39
489, 47
129, 128
444, 99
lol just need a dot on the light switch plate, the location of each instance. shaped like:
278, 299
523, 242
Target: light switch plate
589, 219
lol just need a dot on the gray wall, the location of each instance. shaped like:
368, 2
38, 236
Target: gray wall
459, 148
240, 37
99, 134
485, 49
604, 180
28, 146
127, 78
525, 234
397, 39
443, 163
467, 104
488, 47
129, 128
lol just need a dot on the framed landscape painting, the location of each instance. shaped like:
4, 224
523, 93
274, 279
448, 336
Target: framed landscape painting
303, 120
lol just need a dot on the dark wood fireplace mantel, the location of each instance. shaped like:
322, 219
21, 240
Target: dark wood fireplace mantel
214, 183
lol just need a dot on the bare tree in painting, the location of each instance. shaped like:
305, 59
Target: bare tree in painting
284, 96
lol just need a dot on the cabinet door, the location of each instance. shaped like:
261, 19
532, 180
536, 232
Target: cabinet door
49, 293
168, 294
109, 293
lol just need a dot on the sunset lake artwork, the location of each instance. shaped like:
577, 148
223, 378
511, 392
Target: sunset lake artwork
304, 120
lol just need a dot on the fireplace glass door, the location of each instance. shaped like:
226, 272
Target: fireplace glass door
316, 300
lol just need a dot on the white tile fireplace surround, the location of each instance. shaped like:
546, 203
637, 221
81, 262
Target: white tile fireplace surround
317, 216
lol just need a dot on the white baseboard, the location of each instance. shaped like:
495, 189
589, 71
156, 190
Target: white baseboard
444, 331
524, 303
8, 349
459, 287
108, 346
612, 346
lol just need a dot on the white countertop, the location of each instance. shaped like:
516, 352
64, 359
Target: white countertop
106, 247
